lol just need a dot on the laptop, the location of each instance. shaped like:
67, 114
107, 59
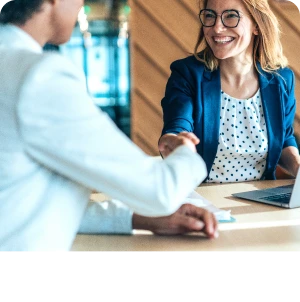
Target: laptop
283, 196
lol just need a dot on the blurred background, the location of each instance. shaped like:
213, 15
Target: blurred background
125, 48
100, 47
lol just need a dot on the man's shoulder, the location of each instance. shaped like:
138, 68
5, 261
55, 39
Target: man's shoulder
22, 62
53, 61
47, 64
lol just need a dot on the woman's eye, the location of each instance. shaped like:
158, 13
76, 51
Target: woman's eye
232, 15
210, 16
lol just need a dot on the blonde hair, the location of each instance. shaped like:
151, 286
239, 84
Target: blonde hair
267, 49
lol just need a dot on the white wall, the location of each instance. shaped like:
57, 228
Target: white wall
297, 1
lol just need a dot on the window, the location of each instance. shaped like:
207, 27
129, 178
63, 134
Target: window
103, 54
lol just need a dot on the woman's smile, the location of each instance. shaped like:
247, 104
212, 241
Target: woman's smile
222, 39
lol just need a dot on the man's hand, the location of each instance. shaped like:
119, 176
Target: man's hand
188, 218
169, 142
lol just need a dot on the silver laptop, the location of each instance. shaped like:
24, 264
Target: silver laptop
283, 196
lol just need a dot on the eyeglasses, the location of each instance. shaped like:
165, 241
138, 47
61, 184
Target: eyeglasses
230, 18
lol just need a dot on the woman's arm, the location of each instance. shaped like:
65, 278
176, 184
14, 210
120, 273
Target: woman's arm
178, 102
290, 160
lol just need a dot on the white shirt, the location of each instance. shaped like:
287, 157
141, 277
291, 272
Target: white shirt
243, 141
56, 146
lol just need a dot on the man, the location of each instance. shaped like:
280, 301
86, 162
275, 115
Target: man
56, 146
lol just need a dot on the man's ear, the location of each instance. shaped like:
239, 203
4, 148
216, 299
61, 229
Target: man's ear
52, 1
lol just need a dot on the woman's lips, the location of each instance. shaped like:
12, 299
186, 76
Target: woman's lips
222, 40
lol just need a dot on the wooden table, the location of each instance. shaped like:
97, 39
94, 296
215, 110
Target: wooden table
257, 227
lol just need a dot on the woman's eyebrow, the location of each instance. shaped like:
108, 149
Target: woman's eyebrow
228, 9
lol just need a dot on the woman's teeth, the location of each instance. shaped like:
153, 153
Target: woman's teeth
223, 40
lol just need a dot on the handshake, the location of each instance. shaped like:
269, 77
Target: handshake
188, 218
169, 142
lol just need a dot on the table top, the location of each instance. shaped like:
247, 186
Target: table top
258, 226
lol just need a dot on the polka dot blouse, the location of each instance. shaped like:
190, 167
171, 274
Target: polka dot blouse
243, 143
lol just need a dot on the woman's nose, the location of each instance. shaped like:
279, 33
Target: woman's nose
219, 26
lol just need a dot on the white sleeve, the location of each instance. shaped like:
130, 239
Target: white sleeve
106, 217
63, 130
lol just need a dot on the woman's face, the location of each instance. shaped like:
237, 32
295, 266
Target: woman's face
64, 18
228, 42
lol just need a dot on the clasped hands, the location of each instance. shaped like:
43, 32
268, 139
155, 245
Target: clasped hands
169, 142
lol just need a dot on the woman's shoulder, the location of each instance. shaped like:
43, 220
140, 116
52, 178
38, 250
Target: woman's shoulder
286, 73
285, 77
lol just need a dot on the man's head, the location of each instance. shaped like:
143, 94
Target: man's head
49, 21
19, 11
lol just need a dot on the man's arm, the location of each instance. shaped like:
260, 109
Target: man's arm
188, 218
113, 217
64, 131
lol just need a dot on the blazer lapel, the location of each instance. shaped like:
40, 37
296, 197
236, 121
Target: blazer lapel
270, 93
211, 97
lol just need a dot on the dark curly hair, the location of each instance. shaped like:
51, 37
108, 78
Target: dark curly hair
19, 11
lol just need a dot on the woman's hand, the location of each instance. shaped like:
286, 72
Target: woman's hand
169, 142
290, 160
188, 218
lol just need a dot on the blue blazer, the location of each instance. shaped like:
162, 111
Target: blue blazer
192, 103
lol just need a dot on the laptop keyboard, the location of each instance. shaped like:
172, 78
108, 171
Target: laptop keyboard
284, 197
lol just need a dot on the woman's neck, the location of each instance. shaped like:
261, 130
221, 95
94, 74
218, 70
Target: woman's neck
239, 78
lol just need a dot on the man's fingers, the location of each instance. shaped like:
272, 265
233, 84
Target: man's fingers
210, 225
190, 224
207, 217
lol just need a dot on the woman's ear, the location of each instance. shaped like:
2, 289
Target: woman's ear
256, 30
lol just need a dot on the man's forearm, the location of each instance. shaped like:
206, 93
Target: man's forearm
142, 222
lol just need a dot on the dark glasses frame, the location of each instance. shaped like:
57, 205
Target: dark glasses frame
221, 15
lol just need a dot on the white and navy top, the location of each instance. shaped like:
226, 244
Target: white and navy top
243, 143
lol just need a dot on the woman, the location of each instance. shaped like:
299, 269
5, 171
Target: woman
236, 95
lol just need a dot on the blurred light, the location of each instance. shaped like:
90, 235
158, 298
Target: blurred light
127, 10
87, 9
82, 20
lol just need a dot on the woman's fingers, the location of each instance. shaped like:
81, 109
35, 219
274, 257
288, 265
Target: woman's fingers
190, 136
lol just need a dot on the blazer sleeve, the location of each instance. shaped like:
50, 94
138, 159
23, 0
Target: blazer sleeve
63, 131
178, 103
290, 109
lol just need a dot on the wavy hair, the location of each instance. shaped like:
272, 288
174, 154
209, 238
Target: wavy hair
19, 11
267, 49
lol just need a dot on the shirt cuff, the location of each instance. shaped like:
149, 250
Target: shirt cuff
107, 217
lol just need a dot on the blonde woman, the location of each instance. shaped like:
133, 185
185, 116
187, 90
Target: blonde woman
236, 95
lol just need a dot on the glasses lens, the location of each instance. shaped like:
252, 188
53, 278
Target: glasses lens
230, 18
208, 18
